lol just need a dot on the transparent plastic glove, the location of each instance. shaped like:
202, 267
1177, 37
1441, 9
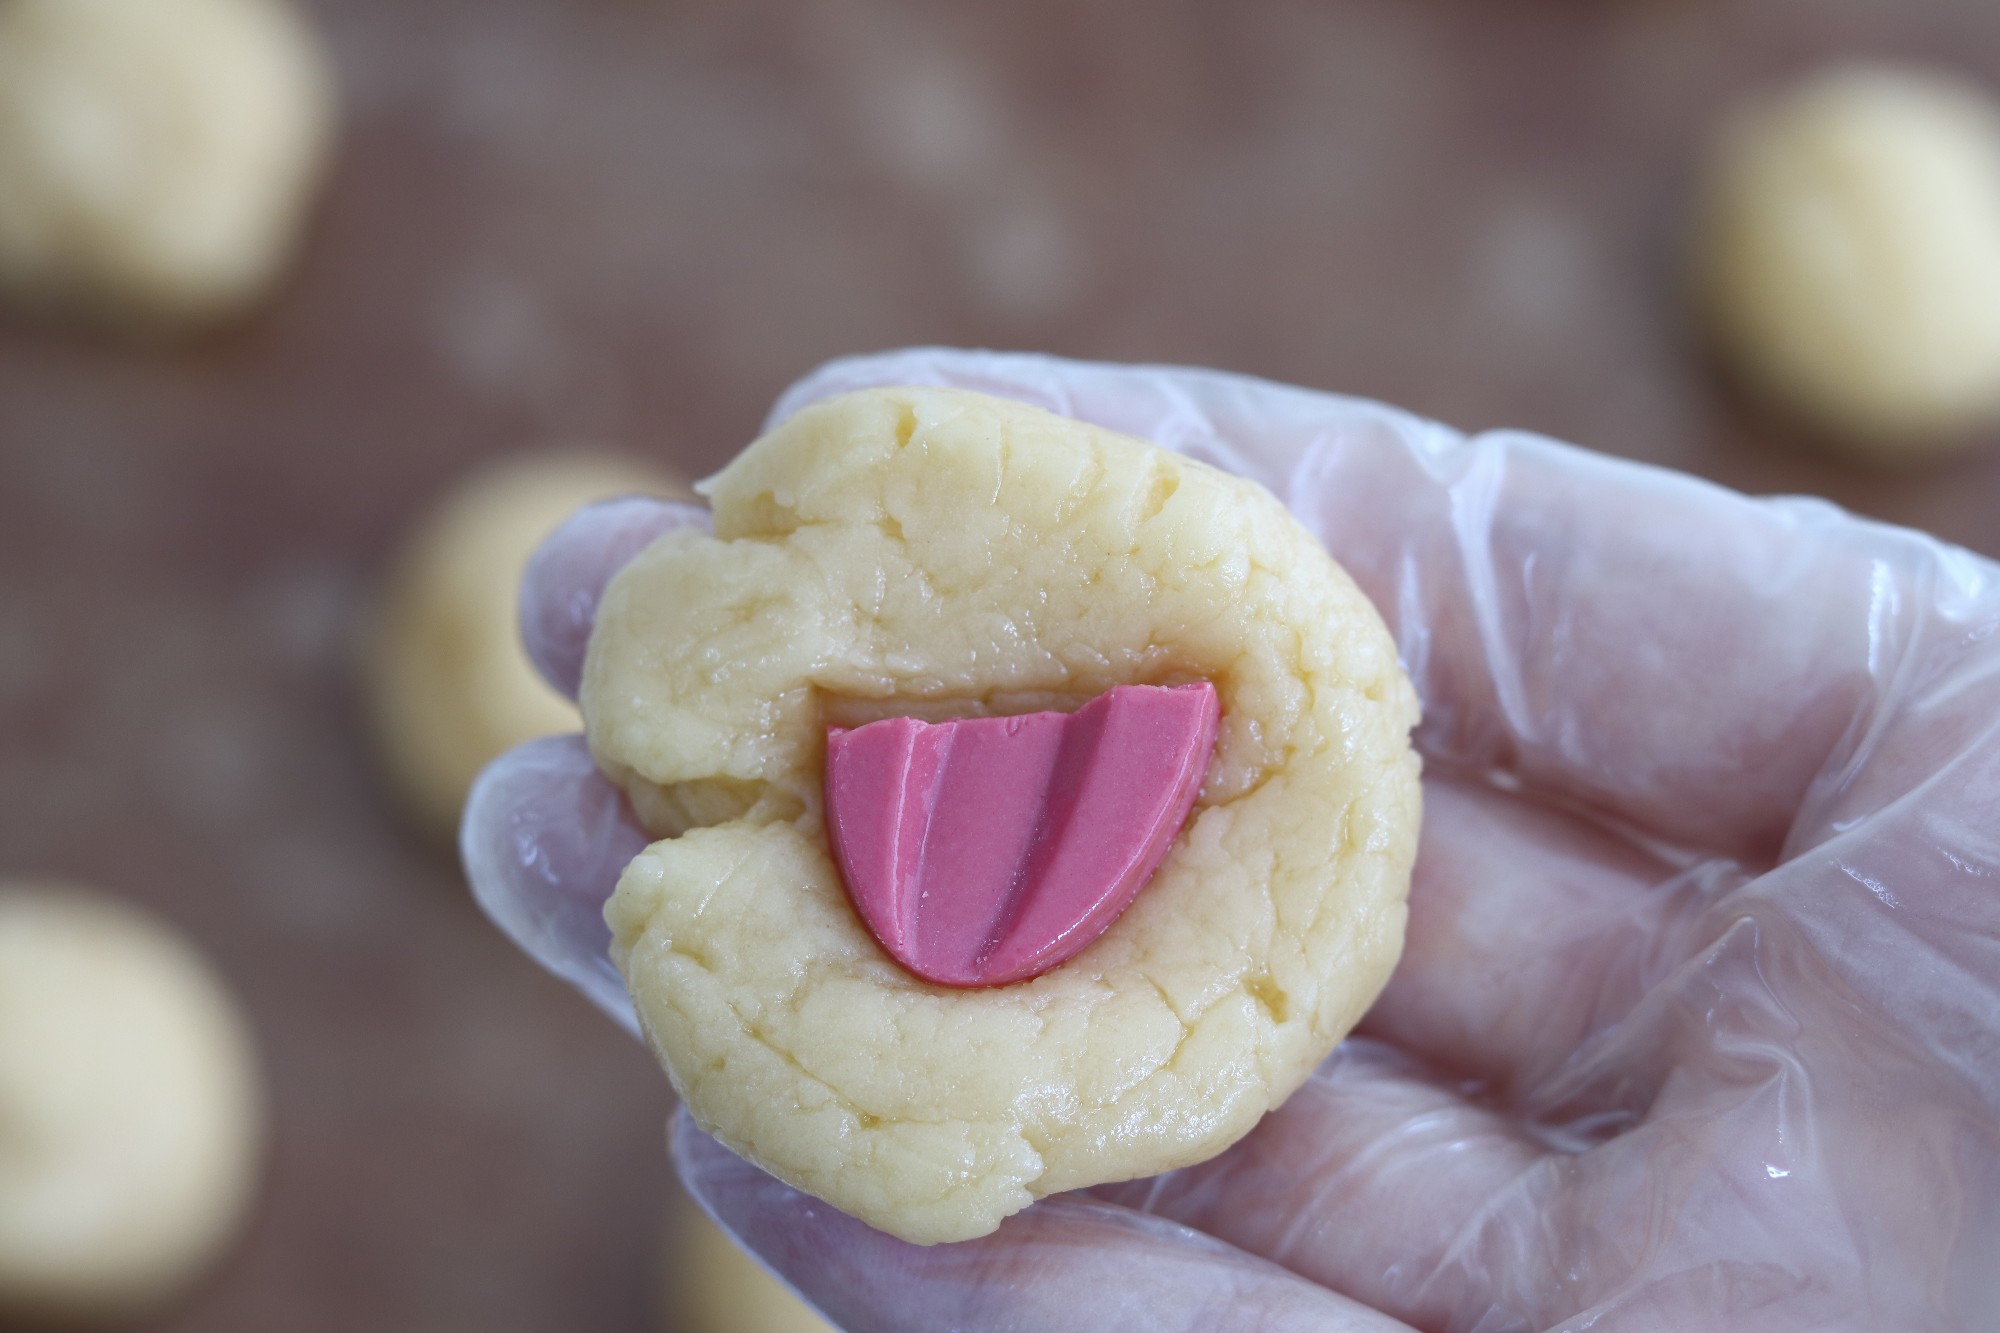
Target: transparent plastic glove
1697, 1025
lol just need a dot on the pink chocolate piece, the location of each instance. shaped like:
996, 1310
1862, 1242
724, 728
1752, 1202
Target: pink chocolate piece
988, 850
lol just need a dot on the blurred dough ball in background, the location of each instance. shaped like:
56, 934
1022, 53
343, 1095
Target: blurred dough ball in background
449, 685
1850, 257
708, 1284
156, 156
130, 1108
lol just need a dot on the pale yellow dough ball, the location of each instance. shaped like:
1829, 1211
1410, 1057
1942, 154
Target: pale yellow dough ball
1850, 257
156, 156
710, 1285
130, 1108
449, 685
936, 553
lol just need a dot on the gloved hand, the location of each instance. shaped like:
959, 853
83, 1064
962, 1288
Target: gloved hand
1698, 1024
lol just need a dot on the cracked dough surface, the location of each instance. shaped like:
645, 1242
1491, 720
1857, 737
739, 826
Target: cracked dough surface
942, 553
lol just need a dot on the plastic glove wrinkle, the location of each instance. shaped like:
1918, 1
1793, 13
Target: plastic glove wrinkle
1070, 1262
1781, 1089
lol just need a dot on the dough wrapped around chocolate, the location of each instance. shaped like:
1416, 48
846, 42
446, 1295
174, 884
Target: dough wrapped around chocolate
939, 554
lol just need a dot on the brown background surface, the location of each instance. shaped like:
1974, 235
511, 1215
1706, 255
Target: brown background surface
635, 221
